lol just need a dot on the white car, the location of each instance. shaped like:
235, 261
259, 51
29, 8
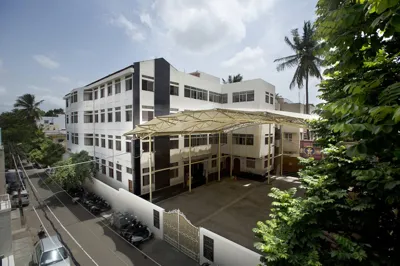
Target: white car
49, 251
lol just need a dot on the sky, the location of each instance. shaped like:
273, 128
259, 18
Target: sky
49, 47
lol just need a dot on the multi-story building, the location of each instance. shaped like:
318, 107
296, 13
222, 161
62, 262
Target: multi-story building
54, 128
98, 114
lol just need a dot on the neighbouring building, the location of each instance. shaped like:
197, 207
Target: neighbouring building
54, 128
98, 114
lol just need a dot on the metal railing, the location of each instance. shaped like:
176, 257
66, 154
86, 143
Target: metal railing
5, 202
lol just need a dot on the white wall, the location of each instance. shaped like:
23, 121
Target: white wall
228, 253
124, 201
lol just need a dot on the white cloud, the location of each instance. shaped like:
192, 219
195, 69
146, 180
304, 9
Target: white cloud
248, 59
40, 89
131, 29
61, 79
146, 19
46, 62
203, 26
3, 90
53, 100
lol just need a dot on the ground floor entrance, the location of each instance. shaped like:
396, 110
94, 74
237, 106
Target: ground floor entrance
198, 174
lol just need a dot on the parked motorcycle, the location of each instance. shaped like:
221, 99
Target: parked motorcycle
140, 236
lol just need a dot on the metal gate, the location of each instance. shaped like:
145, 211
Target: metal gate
182, 234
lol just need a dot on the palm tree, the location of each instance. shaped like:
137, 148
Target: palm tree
27, 104
233, 79
305, 58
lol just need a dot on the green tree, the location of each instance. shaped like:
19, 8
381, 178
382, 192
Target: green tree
233, 79
46, 151
74, 171
54, 112
28, 104
305, 59
350, 212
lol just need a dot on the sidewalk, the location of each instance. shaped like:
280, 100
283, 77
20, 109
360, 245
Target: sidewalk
22, 241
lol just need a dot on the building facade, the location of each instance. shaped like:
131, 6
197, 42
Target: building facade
54, 128
98, 114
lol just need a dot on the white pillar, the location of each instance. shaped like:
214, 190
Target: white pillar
150, 177
269, 153
190, 163
281, 150
219, 156
231, 164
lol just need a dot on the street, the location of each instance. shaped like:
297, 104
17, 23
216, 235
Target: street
99, 244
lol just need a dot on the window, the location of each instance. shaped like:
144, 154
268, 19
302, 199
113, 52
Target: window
117, 86
117, 114
174, 172
128, 113
214, 161
97, 163
147, 115
103, 167
145, 145
128, 83
250, 163
174, 142
110, 142
109, 115
88, 95
267, 97
271, 98
288, 136
208, 248
119, 173
145, 175
118, 143
103, 115
96, 116
67, 135
109, 89
102, 91
243, 96
88, 117
96, 94
266, 162
75, 138
128, 146
195, 93
74, 117
214, 138
173, 90
218, 97
66, 119
271, 137
243, 139
129, 170
111, 169
74, 97
97, 140
88, 141
66, 102
103, 141
147, 85
196, 140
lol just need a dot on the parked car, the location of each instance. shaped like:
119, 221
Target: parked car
15, 198
50, 251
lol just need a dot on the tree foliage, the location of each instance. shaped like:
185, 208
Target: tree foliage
54, 112
46, 152
350, 212
29, 106
305, 58
74, 171
233, 79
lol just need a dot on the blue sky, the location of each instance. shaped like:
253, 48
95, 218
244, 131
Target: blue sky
48, 47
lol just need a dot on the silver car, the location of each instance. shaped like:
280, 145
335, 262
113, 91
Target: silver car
15, 198
50, 251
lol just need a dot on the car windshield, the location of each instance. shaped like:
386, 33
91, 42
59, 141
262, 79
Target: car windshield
53, 256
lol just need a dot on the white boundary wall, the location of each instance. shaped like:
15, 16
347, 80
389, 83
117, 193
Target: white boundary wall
227, 252
124, 201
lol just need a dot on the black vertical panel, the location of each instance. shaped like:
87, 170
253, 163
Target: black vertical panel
161, 107
136, 121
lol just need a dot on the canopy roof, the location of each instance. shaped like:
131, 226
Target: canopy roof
215, 121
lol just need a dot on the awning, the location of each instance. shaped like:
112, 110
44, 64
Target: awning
215, 121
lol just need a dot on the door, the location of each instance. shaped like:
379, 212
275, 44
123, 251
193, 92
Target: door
228, 164
236, 165
130, 185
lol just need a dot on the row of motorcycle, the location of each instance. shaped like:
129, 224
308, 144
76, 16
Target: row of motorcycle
95, 204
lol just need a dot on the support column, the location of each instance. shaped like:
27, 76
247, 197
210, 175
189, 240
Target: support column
281, 150
219, 156
190, 163
269, 153
231, 164
150, 172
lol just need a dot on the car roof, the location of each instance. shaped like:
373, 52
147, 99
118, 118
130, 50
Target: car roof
50, 243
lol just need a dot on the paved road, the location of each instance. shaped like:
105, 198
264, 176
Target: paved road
103, 245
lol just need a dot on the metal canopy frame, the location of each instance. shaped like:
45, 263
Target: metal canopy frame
215, 121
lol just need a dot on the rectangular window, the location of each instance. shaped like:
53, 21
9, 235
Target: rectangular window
195, 93
174, 172
88, 141
117, 86
147, 85
109, 115
267, 97
76, 138
118, 143
74, 97
66, 119
66, 102
271, 137
128, 83
88, 95
243, 139
96, 94
97, 163
102, 115
67, 135
88, 117
96, 142
271, 98
145, 175
110, 142
214, 161
217, 97
102, 91
119, 172
129, 170
103, 167
128, 146
111, 169
109, 89
208, 248
266, 162
145, 145
250, 163
103, 141
214, 138
74, 117
288, 136
173, 90
174, 142
196, 140
117, 114
243, 96
156, 219
96, 116
128, 113
147, 115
